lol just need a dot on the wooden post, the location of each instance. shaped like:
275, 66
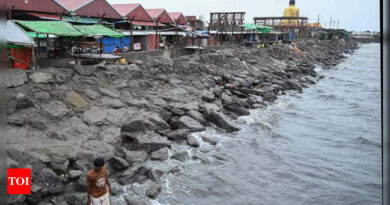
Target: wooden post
156, 39
47, 45
39, 46
101, 45
176, 37
131, 35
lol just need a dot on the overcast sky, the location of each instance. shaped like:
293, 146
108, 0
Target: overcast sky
355, 15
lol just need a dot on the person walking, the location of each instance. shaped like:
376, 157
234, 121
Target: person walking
97, 182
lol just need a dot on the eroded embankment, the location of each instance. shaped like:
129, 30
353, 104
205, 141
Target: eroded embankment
59, 119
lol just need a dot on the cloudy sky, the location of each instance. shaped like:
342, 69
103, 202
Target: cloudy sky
356, 15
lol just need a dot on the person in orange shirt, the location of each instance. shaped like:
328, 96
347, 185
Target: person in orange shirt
97, 182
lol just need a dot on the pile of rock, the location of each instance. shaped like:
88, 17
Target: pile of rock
60, 119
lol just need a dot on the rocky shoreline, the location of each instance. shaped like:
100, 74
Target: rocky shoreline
61, 118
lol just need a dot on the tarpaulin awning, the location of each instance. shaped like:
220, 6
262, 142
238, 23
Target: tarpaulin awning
58, 28
145, 23
45, 16
17, 36
80, 19
99, 30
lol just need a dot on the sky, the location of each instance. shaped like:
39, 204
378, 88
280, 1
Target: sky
353, 15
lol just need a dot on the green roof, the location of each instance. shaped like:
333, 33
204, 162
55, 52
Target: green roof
260, 29
34, 34
58, 28
98, 30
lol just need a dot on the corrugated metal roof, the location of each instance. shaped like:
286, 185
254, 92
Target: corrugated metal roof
73, 5
124, 9
133, 11
17, 36
93, 8
155, 12
58, 28
178, 17
98, 30
161, 15
174, 15
49, 6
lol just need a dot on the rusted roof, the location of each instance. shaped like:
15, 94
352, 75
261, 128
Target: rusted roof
133, 11
160, 15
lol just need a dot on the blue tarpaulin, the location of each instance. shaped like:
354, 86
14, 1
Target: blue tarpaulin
111, 43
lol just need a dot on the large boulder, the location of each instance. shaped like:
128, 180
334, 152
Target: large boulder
294, 85
76, 198
95, 115
132, 174
237, 109
49, 182
269, 96
59, 164
94, 148
181, 156
153, 191
161, 154
208, 96
198, 117
112, 135
132, 201
75, 99
209, 140
74, 174
118, 163
116, 117
109, 92
143, 124
221, 121
93, 95
136, 156
16, 77
186, 122
42, 77
112, 103
177, 135
56, 109
148, 142
191, 140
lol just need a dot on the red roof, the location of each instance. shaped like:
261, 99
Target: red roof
178, 17
48, 6
124, 9
160, 15
92, 8
133, 11
73, 5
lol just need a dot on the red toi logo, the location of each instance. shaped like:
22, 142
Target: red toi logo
19, 181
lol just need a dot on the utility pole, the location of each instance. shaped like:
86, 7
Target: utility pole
330, 25
318, 20
338, 22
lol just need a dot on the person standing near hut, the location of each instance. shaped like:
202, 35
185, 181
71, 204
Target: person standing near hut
97, 182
